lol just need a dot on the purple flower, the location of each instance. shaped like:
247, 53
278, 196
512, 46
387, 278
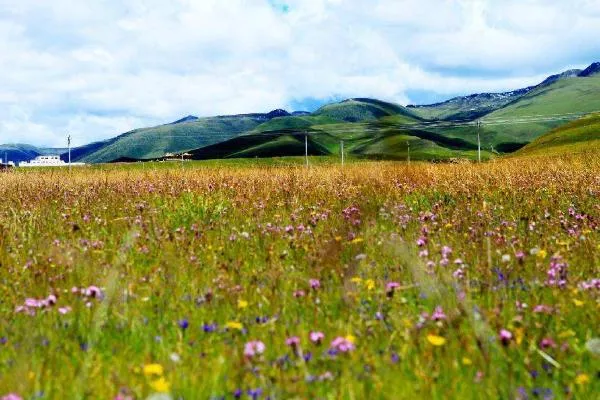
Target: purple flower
183, 324
314, 284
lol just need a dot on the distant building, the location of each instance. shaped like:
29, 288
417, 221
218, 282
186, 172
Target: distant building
47, 161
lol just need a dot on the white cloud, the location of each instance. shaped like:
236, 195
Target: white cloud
99, 68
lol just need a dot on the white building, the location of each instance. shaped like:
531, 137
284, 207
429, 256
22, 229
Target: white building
47, 161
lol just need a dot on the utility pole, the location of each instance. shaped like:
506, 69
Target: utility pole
306, 148
342, 148
478, 140
408, 145
69, 146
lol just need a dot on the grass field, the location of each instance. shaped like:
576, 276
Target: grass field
264, 279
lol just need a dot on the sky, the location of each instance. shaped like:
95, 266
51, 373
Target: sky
98, 68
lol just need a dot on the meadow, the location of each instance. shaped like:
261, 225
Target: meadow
269, 280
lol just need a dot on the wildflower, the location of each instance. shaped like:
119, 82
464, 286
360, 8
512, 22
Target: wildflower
505, 337
299, 293
94, 292
341, 344
467, 361
234, 325
557, 272
11, 396
160, 385
390, 287
209, 328
314, 284
64, 310
317, 337
506, 258
436, 340
242, 304
153, 369
438, 314
547, 343
582, 379
255, 393
446, 251
253, 348
183, 324
520, 256
422, 241
541, 254
293, 341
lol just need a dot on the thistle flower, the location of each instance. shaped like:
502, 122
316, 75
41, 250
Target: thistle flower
314, 284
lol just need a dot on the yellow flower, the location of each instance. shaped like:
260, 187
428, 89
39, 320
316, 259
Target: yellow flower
578, 303
153, 369
519, 334
582, 379
242, 304
370, 284
357, 240
542, 254
436, 340
467, 361
160, 385
356, 280
234, 325
351, 339
448, 226
566, 334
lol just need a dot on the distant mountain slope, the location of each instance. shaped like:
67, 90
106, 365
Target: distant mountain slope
478, 105
171, 138
363, 109
580, 135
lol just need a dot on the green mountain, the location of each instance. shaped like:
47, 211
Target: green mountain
180, 136
577, 136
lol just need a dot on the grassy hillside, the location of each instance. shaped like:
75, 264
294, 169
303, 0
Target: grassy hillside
577, 136
172, 138
360, 110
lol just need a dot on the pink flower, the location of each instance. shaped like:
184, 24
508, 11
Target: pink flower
547, 343
505, 336
342, 344
438, 314
390, 287
299, 293
542, 309
314, 284
93, 291
64, 310
11, 396
292, 341
253, 348
317, 337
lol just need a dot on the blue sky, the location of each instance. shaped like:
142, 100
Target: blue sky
97, 68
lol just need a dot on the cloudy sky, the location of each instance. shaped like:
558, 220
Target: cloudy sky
97, 68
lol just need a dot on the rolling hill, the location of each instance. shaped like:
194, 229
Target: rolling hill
183, 135
577, 136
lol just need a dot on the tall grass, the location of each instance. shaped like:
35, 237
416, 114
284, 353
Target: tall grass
436, 278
